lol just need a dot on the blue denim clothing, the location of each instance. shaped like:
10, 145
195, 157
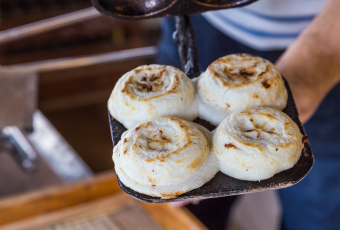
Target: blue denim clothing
312, 204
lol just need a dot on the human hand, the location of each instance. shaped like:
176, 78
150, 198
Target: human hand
307, 101
183, 203
311, 63
307, 98
308, 90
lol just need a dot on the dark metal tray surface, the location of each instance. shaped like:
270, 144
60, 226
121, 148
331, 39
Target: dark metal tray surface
222, 185
142, 9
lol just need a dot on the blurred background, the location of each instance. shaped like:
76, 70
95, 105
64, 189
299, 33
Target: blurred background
74, 100
67, 59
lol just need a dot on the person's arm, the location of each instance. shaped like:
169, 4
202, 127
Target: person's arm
312, 63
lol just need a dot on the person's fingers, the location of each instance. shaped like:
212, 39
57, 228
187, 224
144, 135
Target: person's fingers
182, 203
195, 202
178, 204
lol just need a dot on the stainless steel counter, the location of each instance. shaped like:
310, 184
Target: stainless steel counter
62, 158
56, 162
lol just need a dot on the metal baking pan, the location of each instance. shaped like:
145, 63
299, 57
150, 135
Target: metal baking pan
222, 185
142, 9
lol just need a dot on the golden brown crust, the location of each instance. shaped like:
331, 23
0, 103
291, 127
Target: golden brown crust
157, 141
250, 144
268, 115
171, 195
239, 77
230, 145
197, 162
151, 82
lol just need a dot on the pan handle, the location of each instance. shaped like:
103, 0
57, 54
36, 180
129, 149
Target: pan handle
185, 38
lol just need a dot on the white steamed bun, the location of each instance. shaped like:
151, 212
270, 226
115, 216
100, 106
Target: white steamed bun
151, 91
236, 82
257, 143
165, 157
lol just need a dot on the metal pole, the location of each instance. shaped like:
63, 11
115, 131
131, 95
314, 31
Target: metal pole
66, 63
47, 24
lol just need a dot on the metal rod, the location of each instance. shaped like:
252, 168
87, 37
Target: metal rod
47, 24
192, 67
180, 38
186, 40
66, 63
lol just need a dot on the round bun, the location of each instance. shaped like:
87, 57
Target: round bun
236, 82
257, 143
151, 91
165, 157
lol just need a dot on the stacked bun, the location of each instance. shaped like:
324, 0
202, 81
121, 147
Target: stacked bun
163, 154
236, 82
165, 157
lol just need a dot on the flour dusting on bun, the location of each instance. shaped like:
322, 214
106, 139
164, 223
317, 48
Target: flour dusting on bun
151, 91
236, 82
257, 143
165, 157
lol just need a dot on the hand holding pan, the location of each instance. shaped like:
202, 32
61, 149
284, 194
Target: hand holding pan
221, 185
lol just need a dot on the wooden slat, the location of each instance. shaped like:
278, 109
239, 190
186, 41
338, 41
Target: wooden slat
51, 205
167, 218
111, 203
51, 199
173, 218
